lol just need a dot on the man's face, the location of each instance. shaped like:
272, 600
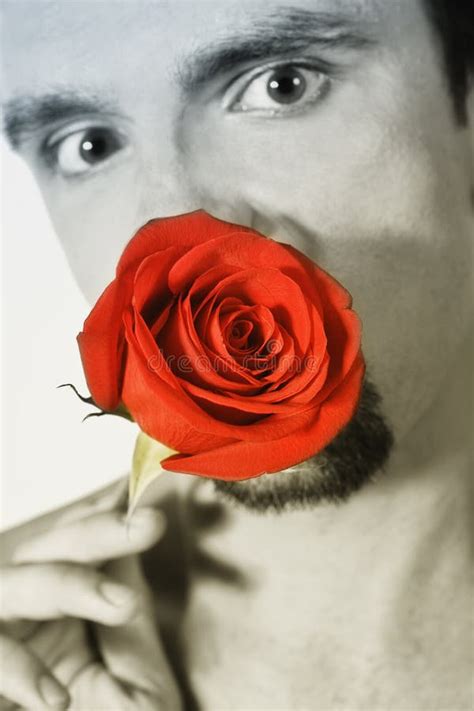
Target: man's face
324, 123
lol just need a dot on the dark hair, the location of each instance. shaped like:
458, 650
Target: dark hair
454, 22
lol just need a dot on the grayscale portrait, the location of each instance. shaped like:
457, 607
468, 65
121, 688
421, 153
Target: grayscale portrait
339, 582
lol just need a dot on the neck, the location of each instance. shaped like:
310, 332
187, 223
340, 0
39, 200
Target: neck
423, 490
439, 446
371, 597
374, 591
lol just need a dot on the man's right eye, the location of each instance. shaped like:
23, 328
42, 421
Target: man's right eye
83, 151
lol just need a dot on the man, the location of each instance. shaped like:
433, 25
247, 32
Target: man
344, 128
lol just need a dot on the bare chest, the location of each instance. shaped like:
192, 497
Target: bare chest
297, 625
297, 646
282, 619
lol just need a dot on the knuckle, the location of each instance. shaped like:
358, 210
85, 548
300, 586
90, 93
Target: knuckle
75, 589
11, 583
17, 661
72, 577
62, 573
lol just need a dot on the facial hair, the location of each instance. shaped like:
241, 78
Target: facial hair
351, 460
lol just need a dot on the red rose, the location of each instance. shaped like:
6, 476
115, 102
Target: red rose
234, 350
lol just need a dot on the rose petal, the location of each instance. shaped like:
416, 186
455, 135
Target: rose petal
168, 414
185, 230
266, 287
101, 343
150, 290
344, 335
193, 361
245, 404
243, 250
261, 319
244, 460
158, 405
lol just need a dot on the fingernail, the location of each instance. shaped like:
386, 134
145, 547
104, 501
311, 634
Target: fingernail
53, 693
117, 594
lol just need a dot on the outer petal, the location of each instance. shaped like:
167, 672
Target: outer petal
247, 251
163, 410
159, 407
150, 290
316, 282
186, 230
101, 343
343, 330
245, 460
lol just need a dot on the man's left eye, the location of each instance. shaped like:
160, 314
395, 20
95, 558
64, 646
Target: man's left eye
278, 91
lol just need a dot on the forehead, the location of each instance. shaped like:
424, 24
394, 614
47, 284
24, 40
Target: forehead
64, 42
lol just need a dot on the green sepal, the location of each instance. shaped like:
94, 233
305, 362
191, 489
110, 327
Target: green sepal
146, 467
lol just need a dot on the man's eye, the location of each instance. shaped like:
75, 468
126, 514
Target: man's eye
279, 90
84, 150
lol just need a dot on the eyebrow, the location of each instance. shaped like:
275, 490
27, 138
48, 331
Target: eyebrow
286, 31
23, 116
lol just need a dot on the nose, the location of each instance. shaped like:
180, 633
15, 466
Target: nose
164, 188
170, 191
167, 184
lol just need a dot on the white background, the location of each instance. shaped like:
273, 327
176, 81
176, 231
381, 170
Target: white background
49, 456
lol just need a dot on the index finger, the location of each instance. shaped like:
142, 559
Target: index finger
133, 652
99, 537
112, 496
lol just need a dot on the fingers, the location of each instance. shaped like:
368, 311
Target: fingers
133, 652
112, 496
98, 537
109, 497
47, 591
26, 681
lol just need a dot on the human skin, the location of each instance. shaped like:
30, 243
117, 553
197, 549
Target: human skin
54, 583
373, 180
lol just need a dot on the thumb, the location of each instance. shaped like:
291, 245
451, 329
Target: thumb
133, 652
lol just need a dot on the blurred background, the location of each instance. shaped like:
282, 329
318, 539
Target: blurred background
49, 457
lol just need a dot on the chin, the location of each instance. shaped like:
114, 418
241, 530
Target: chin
352, 460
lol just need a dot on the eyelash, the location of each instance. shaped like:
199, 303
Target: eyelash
244, 81
232, 94
50, 147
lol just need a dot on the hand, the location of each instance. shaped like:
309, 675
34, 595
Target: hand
52, 586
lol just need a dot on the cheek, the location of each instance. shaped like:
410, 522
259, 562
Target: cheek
383, 208
94, 222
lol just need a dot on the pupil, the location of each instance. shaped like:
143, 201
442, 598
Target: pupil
286, 85
95, 146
